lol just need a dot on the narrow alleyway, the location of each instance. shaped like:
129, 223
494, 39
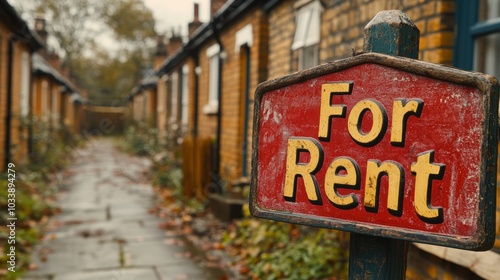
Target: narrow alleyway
104, 230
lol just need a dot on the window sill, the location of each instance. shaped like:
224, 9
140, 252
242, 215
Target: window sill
481, 263
211, 109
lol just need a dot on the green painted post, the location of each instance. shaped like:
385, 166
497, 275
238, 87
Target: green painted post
392, 33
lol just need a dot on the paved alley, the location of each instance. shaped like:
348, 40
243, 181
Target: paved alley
104, 230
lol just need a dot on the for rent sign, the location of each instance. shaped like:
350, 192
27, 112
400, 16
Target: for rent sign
379, 145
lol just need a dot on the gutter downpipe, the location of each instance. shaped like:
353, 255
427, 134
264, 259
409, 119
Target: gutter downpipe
219, 111
31, 108
8, 117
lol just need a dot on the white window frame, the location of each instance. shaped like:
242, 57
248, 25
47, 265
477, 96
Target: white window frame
212, 106
307, 34
174, 97
25, 84
185, 96
243, 36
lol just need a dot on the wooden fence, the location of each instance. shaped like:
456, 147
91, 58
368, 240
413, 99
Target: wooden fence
106, 120
197, 166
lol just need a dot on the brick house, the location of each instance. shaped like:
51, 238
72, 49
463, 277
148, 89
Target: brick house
173, 93
17, 43
211, 80
56, 104
143, 99
55, 98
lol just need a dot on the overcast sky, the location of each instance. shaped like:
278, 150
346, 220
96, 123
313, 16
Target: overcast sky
167, 13
176, 13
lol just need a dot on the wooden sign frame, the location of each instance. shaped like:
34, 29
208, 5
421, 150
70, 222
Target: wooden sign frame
483, 239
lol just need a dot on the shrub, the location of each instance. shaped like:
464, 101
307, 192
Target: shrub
275, 250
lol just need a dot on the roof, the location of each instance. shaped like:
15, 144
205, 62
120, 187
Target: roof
148, 81
41, 66
18, 26
228, 12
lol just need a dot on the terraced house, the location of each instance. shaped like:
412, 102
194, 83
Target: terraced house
56, 100
206, 85
17, 44
33, 90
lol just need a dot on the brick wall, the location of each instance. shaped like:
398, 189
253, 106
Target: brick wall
232, 104
152, 101
19, 132
208, 122
342, 30
41, 99
281, 32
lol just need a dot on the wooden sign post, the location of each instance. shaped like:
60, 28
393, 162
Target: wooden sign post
389, 148
372, 257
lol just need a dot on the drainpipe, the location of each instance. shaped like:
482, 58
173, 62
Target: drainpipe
219, 95
30, 110
246, 113
8, 118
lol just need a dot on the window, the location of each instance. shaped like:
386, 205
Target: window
477, 40
162, 98
212, 106
487, 47
25, 83
307, 35
184, 96
243, 43
477, 44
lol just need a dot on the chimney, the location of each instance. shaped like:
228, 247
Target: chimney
160, 52
174, 43
66, 71
192, 26
53, 59
41, 30
215, 5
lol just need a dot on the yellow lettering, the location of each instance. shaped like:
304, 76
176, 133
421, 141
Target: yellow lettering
294, 168
335, 179
327, 110
374, 172
425, 171
379, 122
401, 110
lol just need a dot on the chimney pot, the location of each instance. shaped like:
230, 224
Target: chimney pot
196, 12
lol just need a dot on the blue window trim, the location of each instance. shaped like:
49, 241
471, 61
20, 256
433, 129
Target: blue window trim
468, 29
466, 16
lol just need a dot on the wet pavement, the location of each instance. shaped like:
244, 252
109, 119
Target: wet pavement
105, 231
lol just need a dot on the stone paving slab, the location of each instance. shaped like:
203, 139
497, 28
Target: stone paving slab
74, 255
115, 274
105, 230
188, 271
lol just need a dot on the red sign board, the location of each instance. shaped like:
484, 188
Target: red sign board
379, 145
